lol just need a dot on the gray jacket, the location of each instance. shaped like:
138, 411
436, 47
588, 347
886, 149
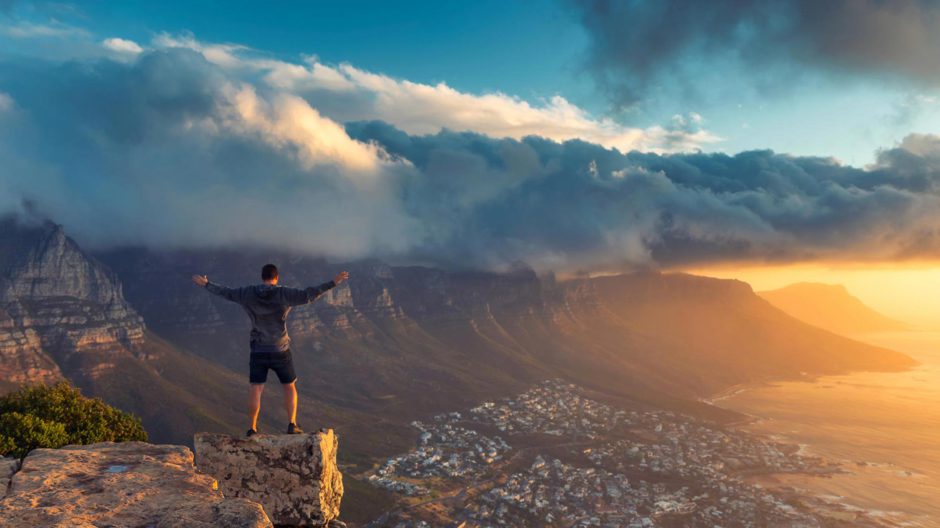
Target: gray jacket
268, 307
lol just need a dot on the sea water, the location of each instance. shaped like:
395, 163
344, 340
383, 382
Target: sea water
883, 427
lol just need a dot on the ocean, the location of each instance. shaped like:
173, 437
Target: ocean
883, 427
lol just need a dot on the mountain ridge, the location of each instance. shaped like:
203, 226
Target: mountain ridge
393, 344
831, 306
529, 325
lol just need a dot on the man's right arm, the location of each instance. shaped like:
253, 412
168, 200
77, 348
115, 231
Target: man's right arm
232, 294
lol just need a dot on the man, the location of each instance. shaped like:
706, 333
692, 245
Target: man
267, 305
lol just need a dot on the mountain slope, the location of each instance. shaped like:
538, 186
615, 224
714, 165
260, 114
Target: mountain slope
392, 344
832, 307
56, 304
712, 333
393, 336
63, 315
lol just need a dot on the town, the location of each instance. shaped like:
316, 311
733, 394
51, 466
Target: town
553, 457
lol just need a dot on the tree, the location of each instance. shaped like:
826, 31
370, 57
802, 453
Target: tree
57, 415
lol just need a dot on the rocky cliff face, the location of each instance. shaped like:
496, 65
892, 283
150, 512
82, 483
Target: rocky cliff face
22, 358
294, 477
57, 304
121, 485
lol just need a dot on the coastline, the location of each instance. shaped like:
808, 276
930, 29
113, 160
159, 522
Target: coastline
881, 427
798, 486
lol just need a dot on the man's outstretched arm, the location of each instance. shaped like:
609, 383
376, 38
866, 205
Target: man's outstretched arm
307, 295
231, 294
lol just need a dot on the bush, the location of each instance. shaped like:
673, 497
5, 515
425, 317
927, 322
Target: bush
58, 415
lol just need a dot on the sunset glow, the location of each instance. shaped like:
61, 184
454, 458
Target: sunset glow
904, 292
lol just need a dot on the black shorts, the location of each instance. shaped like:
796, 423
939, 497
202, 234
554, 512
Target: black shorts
280, 362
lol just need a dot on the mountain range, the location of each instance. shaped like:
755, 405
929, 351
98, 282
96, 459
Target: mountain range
393, 344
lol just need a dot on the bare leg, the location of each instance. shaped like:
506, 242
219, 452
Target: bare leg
290, 401
254, 403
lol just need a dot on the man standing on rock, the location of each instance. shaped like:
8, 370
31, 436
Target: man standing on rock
268, 305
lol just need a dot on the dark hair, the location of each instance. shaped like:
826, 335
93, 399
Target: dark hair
269, 272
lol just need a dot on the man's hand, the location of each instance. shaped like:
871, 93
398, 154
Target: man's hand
343, 275
200, 280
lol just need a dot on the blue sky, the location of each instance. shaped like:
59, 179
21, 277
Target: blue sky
522, 48
531, 50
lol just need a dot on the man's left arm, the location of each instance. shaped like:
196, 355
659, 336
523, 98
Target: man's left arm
296, 297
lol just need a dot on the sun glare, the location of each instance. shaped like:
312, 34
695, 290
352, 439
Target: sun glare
900, 292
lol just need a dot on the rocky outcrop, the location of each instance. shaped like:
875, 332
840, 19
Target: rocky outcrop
127, 484
56, 303
8, 466
294, 477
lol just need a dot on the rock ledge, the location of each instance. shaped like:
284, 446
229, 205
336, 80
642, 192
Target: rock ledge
128, 484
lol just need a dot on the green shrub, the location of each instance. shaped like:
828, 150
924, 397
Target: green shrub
58, 415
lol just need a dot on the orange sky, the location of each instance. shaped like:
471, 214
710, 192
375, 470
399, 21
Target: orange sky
909, 293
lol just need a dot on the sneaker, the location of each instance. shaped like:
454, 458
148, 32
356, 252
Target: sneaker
250, 433
294, 429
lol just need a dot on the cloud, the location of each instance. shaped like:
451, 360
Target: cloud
637, 46
170, 149
6, 102
29, 30
579, 206
120, 45
346, 93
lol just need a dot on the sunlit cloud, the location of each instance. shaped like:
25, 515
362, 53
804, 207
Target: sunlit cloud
289, 120
420, 108
120, 45
225, 55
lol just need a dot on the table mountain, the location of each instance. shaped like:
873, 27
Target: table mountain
393, 335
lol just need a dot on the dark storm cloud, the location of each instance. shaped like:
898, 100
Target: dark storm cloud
169, 150
576, 204
638, 43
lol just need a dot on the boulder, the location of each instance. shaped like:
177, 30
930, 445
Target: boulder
129, 484
8, 467
294, 477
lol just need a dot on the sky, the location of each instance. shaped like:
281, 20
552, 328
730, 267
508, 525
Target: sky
572, 135
544, 48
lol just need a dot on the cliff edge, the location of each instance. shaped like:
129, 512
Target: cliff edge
290, 479
121, 484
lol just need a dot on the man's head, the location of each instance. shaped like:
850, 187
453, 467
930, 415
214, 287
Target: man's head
269, 274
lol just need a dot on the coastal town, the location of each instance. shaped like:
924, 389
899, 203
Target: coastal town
552, 456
